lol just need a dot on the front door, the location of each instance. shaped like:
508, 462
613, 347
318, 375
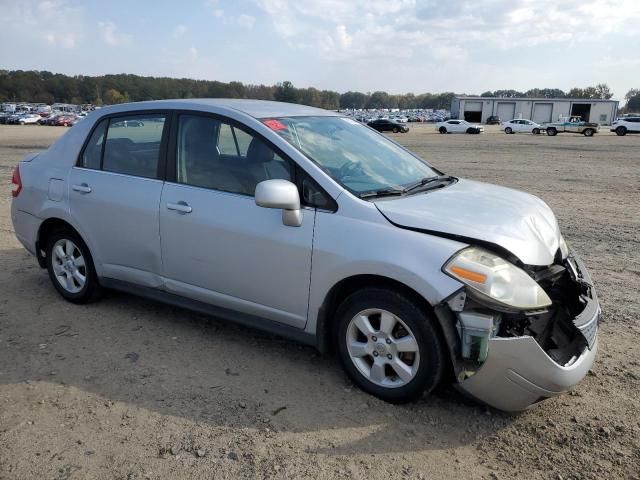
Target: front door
218, 246
114, 196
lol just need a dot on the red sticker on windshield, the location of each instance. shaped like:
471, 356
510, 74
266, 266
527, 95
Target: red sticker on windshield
275, 124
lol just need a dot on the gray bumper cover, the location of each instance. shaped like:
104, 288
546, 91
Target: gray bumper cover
519, 373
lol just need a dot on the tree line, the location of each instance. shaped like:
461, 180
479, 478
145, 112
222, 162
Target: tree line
47, 87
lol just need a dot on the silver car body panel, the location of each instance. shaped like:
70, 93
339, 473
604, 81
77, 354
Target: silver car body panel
120, 219
516, 221
227, 239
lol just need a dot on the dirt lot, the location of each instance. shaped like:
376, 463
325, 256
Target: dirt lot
128, 388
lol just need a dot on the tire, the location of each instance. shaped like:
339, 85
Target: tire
21, 123
421, 360
65, 263
442, 130
395, 130
552, 132
621, 131
536, 131
589, 132
508, 131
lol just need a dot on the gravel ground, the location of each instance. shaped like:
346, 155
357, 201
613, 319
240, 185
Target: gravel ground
128, 388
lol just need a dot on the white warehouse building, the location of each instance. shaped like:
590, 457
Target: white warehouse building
540, 110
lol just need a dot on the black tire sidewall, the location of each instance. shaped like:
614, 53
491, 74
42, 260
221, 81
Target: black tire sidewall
432, 361
621, 131
552, 132
91, 287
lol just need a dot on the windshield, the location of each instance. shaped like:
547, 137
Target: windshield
358, 158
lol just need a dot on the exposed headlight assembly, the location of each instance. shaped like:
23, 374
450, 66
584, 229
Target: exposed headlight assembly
496, 279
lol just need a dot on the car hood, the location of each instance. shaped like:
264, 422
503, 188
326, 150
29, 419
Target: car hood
516, 221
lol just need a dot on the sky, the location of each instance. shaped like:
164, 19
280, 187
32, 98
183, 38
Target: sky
398, 46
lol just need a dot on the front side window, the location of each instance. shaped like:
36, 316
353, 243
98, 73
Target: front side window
133, 145
358, 158
217, 155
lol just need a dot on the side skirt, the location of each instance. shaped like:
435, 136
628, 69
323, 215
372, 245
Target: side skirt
240, 318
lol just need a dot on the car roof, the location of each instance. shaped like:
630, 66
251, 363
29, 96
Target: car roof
253, 108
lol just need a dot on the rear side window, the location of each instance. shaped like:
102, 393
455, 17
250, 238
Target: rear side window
132, 145
93, 151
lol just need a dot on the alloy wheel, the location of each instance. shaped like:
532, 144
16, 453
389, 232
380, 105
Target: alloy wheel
69, 266
383, 348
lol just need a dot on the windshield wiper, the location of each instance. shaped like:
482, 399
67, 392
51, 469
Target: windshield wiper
426, 181
383, 192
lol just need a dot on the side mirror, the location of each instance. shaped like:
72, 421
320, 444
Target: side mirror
280, 194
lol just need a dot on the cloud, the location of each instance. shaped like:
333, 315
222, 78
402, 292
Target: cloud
39, 19
179, 31
111, 36
360, 28
246, 21
193, 53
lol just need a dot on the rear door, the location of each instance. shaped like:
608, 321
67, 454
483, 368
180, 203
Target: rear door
115, 194
218, 246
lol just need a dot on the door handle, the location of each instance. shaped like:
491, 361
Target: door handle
82, 188
182, 207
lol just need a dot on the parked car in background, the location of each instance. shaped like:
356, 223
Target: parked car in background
458, 126
493, 120
411, 278
625, 125
383, 125
520, 125
572, 125
63, 120
28, 119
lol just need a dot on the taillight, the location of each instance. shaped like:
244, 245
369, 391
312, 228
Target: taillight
17, 181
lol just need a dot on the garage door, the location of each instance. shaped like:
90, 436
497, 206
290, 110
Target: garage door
472, 106
506, 110
542, 112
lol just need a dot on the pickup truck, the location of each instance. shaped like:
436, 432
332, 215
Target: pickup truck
572, 125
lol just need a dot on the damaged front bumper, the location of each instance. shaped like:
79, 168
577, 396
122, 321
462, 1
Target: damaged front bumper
518, 373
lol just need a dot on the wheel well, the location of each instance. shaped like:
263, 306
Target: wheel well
326, 323
49, 226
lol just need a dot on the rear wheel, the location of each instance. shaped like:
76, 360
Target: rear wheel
71, 267
508, 130
552, 132
442, 130
621, 131
589, 132
388, 345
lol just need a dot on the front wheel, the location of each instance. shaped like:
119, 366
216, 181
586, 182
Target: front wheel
70, 267
508, 131
388, 345
589, 132
621, 131
536, 131
395, 130
442, 130
552, 132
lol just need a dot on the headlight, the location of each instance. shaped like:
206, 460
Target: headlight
497, 279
